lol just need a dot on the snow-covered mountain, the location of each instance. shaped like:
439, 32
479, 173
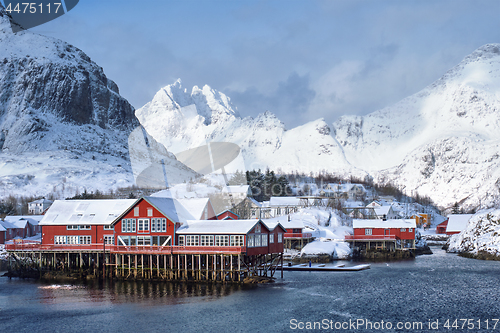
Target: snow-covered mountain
63, 124
442, 142
182, 119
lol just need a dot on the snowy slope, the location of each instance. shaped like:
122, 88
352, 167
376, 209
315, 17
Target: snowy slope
442, 142
63, 125
481, 235
182, 120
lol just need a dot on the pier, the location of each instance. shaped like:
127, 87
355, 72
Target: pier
172, 263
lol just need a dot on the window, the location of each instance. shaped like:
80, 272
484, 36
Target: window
181, 240
109, 239
85, 227
250, 240
368, 231
150, 212
71, 227
206, 240
280, 237
257, 241
257, 229
221, 240
144, 240
237, 241
192, 240
165, 240
143, 225
85, 239
264, 239
410, 230
59, 239
109, 227
136, 211
403, 229
158, 225
128, 225
73, 239
271, 238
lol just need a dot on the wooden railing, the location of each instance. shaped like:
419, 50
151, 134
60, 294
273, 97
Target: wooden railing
128, 249
298, 235
370, 237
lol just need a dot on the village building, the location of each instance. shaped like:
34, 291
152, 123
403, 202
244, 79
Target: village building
3, 235
441, 227
346, 191
397, 234
82, 222
457, 223
200, 208
21, 226
38, 207
228, 215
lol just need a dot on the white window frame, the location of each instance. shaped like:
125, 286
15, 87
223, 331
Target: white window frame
150, 212
136, 211
257, 241
84, 240
59, 240
109, 239
181, 241
207, 240
280, 237
264, 239
368, 232
192, 240
142, 225
73, 239
237, 240
271, 238
221, 240
403, 229
109, 227
250, 240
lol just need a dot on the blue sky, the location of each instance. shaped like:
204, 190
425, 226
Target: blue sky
300, 59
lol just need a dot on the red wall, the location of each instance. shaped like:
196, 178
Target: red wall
96, 232
277, 247
393, 231
252, 251
2, 237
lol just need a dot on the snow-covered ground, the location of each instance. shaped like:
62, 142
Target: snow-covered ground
327, 227
3, 253
481, 235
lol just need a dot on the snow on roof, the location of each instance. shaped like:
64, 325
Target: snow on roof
2, 228
236, 189
353, 204
457, 222
271, 224
85, 212
218, 227
396, 223
195, 206
295, 222
382, 210
19, 221
284, 201
171, 208
255, 202
41, 201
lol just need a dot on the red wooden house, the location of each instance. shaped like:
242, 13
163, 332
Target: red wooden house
380, 234
81, 222
276, 236
228, 215
150, 221
457, 223
2, 234
253, 237
441, 227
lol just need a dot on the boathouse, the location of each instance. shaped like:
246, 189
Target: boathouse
398, 234
228, 215
457, 223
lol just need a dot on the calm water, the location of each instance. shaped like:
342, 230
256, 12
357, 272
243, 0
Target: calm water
437, 287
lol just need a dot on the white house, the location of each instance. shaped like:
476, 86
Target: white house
39, 206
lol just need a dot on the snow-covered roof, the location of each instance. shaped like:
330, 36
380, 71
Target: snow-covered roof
353, 204
457, 222
2, 228
85, 212
41, 201
19, 221
396, 223
236, 189
284, 201
294, 223
171, 208
195, 206
218, 227
382, 210
255, 202
271, 225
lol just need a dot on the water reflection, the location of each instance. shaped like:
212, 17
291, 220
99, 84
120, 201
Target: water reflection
136, 292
